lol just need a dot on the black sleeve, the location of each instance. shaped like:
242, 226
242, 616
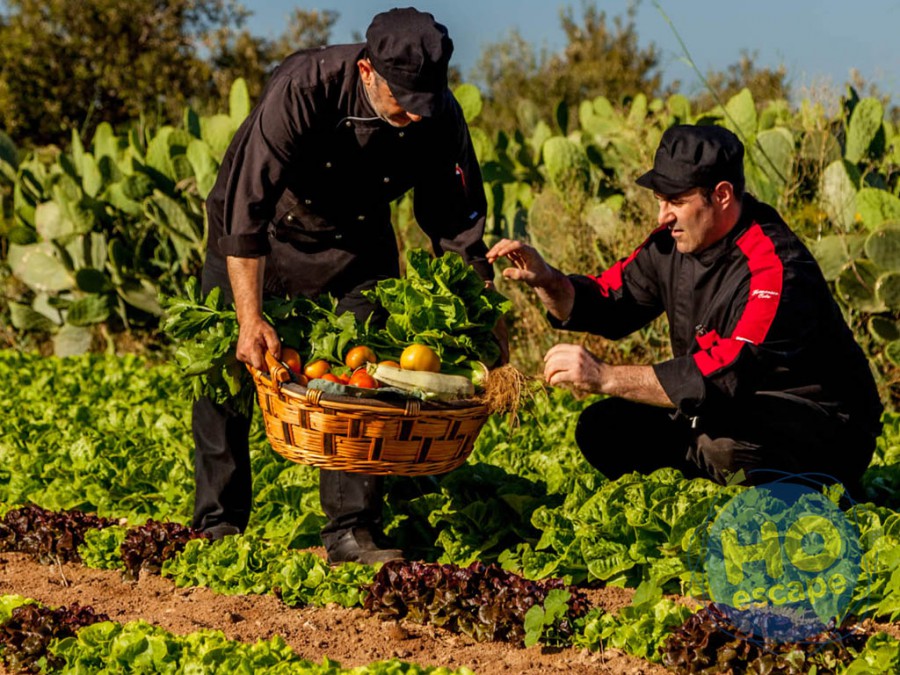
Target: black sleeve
619, 301
449, 201
262, 152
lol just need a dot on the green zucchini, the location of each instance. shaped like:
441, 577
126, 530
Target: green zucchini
433, 385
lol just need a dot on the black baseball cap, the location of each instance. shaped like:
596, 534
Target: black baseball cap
695, 156
411, 50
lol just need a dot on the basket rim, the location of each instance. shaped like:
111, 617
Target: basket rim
300, 393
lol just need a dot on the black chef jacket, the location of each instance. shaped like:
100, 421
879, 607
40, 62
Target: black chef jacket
310, 174
751, 313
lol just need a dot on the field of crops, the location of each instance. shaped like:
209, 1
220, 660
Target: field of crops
526, 559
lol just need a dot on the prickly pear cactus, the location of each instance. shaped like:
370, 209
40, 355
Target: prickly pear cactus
865, 123
877, 207
855, 287
892, 352
741, 116
769, 164
470, 101
883, 247
567, 166
837, 190
834, 251
883, 329
887, 290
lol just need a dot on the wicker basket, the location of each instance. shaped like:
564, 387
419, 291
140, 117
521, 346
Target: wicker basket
372, 436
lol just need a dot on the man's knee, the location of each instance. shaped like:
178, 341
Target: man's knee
602, 421
618, 436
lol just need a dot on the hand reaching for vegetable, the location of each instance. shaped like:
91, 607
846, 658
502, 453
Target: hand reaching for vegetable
528, 265
573, 364
553, 287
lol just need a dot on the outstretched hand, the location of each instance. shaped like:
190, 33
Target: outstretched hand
528, 265
552, 287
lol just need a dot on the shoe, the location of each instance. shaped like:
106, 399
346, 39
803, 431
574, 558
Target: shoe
357, 545
220, 531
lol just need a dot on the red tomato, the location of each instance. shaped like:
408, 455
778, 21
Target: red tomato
331, 377
359, 356
291, 358
316, 369
363, 380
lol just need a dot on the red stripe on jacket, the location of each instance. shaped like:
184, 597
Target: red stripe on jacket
766, 278
611, 279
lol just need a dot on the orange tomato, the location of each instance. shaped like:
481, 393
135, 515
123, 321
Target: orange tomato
363, 380
420, 357
316, 369
331, 377
291, 358
344, 378
359, 356
392, 364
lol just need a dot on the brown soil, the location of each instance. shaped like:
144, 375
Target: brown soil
351, 636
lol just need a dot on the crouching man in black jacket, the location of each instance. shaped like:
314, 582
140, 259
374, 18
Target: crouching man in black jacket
766, 374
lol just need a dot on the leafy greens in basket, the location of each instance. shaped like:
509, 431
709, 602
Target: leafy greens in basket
441, 302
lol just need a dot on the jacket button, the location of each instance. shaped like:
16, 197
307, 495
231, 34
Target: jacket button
291, 218
348, 123
360, 218
387, 179
307, 201
402, 134
338, 236
327, 165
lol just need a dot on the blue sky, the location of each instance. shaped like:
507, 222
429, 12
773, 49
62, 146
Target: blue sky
818, 41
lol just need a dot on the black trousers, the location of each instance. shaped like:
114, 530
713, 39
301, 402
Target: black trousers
771, 435
223, 481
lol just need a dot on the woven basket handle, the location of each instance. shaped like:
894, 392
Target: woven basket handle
277, 371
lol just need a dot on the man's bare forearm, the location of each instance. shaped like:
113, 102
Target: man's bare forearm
635, 383
557, 295
246, 276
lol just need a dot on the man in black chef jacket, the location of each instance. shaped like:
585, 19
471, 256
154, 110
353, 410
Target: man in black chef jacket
301, 206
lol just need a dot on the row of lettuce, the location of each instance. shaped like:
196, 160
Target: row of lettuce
483, 602
109, 441
98, 231
72, 640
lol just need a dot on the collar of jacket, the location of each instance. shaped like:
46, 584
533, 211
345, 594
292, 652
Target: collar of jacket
721, 248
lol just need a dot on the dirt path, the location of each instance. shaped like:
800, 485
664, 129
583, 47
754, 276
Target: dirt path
351, 636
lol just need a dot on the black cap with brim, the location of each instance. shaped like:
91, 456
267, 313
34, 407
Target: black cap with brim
411, 51
424, 103
664, 185
695, 156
